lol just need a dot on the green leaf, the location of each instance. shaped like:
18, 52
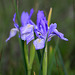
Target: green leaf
26, 52
45, 62
32, 54
52, 57
61, 60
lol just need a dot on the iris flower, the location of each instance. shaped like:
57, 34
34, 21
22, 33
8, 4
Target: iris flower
26, 29
43, 30
13, 31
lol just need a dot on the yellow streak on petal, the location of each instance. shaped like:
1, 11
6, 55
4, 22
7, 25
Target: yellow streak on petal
39, 40
49, 16
28, 26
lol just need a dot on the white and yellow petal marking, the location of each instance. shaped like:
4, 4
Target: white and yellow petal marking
28, 25
13, 32
39, 40
26, 29
39, 43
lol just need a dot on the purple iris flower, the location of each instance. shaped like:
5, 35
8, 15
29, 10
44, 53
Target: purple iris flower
26, 30
13, 31
42, 30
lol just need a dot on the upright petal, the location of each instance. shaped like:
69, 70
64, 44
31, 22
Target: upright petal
40, 15
14, 17
15, 24
31, 12
59, 34
23, 37
13, 32
52, 27
24, 18
39, 43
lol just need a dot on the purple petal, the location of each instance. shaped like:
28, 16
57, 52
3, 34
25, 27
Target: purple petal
31, 22
31, 12
59, 34
24, 18
16, 25
30, 37
14, 17
40, 15
13, 32
52, 27
23, 37
43, 26
41, 21
39, 43
26, 29
50, 36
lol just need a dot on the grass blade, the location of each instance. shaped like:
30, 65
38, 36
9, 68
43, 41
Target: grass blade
61, 60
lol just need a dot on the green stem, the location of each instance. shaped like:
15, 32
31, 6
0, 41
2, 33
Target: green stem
29, 71
40, 71
45, 62
21, 42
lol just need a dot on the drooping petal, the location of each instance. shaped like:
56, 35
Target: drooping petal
39, 43
24, 18
52, 28
30, 37
23, 37
26, 29
31, 12
59, 34
50, 36
13, 32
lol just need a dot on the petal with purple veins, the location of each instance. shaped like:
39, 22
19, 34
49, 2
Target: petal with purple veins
26, 29
23, 37
59, 34
30, 37
40, 15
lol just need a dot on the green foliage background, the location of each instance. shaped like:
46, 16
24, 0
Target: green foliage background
11, 60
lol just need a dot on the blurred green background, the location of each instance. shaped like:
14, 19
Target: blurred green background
11, 60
